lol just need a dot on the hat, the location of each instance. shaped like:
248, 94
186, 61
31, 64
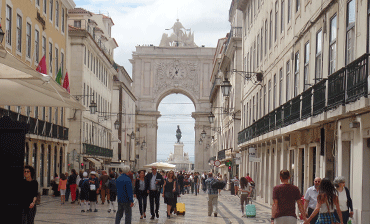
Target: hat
85, 174
93, 173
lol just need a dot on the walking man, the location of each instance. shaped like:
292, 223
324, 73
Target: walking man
154, 181
212, 196
285, 196
311, 199
125, 196
104, 190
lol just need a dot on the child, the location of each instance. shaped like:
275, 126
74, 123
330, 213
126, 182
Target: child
62, 187
113, 193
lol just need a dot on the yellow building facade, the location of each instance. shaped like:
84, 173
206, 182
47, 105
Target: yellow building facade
33, 29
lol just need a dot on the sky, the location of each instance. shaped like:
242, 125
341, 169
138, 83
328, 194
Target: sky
142, 22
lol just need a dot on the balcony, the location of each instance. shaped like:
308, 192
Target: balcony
94, 150
235, 32
36, 126
344, 86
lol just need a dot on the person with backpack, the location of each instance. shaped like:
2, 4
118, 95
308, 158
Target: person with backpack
84, 194
212, 195
112, 192
94, 185
104, 179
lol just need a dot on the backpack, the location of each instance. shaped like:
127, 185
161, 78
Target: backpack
107, 183
112, 185
215, 183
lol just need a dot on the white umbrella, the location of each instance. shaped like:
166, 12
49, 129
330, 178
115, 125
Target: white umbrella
161, 165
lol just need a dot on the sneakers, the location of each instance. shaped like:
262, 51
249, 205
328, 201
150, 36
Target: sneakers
82, 210
96, 210
89, 210
109, 210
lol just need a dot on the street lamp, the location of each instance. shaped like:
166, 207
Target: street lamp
211, 118
226, 87
1, 34
93, 107
116, 124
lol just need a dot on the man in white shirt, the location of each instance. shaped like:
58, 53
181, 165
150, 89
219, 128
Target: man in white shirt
154, 183
311, 199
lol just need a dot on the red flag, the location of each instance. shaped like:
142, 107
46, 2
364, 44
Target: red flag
66, 83
42, 66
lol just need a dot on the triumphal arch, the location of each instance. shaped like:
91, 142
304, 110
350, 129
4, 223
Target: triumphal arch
177, 65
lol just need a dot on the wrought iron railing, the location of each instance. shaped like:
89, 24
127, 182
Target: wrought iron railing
306, 103
346, 85
357, 78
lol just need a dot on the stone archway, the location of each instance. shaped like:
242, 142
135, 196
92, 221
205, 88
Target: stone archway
160, 71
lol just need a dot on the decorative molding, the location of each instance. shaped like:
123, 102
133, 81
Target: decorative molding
176, 74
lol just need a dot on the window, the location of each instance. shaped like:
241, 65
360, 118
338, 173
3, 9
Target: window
274, 93
44, 46
264, 99
8, 25
258, 47
63, 18
254, 56
44, 6
19, 33
296, 73
351, 19
50, 113
61, 116
77, 23
306, 65
297, 5
270, 44
85, 56
43, 113
51, 10
56, 61
37, 46
51, 57
332, 44
38, 2
287, 86
269, 97
88, 58
318, 60
56, 116
62, 62
266, 35
36, 112
289, 13
28, 40
282, 16
256, 105
276, 20
56, 14
260, 103
261, 52
84, 93
281, 86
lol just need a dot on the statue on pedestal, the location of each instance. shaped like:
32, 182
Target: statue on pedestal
178, 134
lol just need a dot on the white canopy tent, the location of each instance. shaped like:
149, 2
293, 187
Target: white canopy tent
21, 85
161, 165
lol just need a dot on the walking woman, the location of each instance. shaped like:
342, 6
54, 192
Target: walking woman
245, 193
73, 185
141, 193
169, 188
345, 201
29, 192
326, 200
62, 188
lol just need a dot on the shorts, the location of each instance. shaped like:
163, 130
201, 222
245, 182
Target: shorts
62, 191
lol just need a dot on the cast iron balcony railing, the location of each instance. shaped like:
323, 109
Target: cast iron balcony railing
346, 85
36, 126
357, 72
306, 103
336, 88
319, 99
235, 32
94, 150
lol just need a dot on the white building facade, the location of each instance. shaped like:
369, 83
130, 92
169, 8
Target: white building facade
91, 81
309, 114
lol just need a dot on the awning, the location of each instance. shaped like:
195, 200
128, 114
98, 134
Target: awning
96, 162
20, 85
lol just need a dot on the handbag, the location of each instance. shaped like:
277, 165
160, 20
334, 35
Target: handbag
168, 194
331, 217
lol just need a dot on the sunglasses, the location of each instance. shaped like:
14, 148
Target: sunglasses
27, 171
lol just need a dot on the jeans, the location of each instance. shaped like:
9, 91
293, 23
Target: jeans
68, 191
154, 196
313, 221
142, 197
192, 187
124, 207
345, 216
196, 189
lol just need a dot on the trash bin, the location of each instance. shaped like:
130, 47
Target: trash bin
232, 189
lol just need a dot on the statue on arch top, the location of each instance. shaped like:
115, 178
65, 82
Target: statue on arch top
179, 38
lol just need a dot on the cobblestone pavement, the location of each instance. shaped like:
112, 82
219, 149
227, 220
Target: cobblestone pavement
51, 211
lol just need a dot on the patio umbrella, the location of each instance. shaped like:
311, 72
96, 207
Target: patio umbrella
161, 165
